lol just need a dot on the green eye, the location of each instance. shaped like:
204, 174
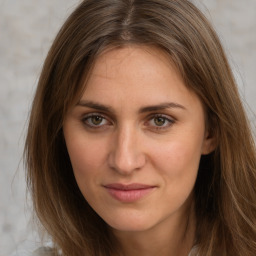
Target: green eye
159, 121
96, 120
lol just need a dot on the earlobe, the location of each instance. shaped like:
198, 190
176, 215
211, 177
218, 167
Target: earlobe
209, 144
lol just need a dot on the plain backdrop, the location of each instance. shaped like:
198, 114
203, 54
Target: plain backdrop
27, 28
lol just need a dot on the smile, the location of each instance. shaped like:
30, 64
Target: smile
129, 193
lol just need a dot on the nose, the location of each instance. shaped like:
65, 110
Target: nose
126, 153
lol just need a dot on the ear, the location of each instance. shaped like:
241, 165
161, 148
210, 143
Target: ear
209, 143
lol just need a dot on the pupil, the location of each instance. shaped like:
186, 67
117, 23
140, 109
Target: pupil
96, 120
159, 121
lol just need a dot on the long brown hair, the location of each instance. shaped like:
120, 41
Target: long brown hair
226, 185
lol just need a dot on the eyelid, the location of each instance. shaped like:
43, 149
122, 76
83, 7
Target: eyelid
170, 121
85, 117
168, 118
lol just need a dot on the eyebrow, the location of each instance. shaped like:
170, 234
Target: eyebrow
161, 107
95, 105
105, 108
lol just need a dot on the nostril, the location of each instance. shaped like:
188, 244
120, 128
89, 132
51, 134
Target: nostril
126, 154
126, 162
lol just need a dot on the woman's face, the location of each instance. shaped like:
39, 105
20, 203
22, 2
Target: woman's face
135, 139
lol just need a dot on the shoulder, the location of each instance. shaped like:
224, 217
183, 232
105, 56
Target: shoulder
194, 251
43, 251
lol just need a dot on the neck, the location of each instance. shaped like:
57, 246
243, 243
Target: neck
172, 237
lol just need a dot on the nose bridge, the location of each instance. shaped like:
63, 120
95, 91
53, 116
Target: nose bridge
126, 155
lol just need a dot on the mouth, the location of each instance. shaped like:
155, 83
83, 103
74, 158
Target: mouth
129, 193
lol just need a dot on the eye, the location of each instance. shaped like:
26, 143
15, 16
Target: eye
95, 120
160, 121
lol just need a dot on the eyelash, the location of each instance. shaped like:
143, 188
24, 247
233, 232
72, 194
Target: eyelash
87, 119
168, 122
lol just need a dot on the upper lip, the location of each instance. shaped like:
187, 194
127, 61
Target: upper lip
133, 186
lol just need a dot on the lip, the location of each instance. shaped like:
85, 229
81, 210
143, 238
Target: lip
130, 192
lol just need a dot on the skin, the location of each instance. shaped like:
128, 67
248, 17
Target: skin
126, 142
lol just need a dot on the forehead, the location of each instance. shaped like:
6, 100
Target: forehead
133, 67
136, 75
110, 61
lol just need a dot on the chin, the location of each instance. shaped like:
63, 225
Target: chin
130, 223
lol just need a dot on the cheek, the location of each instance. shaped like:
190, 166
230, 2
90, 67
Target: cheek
178, 167
178, 159
86, 159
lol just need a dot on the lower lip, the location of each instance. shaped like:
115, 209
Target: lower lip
129, 196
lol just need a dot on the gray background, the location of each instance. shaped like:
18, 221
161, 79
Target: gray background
27, 28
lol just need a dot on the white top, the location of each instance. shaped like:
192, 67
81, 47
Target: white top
193, 252
46, 251
43, 251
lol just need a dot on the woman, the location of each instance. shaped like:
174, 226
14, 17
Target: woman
138, 143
